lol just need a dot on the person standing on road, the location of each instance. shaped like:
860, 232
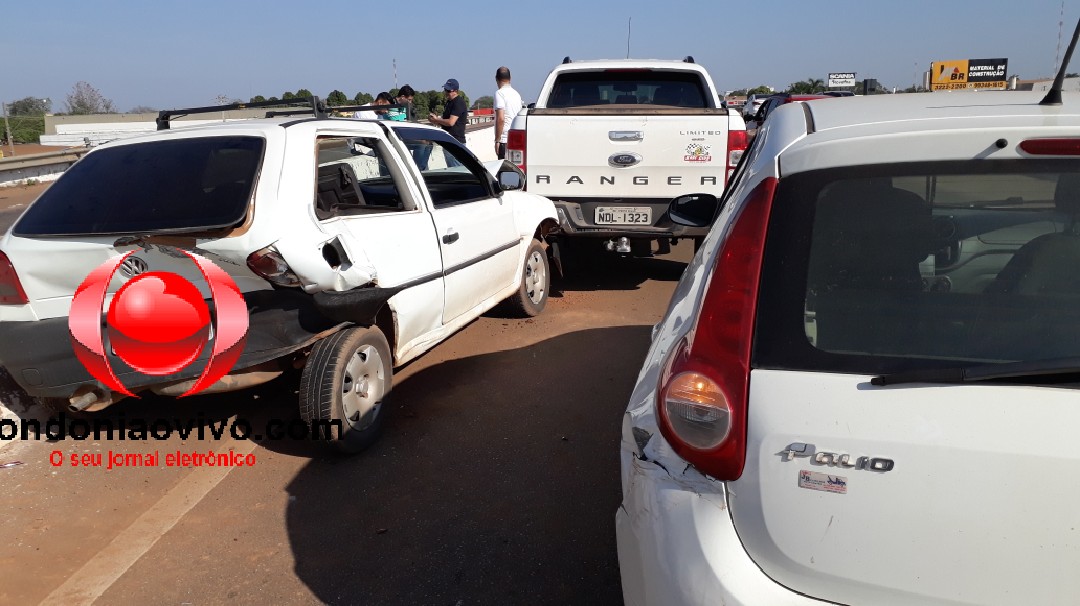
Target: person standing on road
456, 115
507, 105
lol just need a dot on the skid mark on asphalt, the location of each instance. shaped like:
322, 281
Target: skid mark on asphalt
104, 568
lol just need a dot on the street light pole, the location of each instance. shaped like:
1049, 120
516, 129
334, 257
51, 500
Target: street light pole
7, 129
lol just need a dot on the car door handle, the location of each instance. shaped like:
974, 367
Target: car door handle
450, 237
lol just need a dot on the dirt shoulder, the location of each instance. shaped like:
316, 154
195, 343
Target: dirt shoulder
18, 196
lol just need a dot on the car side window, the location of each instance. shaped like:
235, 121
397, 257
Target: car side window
450, 172
357, 175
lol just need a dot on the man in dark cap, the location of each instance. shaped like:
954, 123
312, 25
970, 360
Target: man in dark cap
456, 114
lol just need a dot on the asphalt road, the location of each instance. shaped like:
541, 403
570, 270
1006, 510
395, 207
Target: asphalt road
495, 482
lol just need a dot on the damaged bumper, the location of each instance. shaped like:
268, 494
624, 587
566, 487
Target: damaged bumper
677, 544
40, 358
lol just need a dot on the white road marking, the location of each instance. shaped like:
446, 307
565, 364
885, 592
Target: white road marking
103, 569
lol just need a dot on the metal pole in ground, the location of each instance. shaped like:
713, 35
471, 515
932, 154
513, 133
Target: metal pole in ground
7, 129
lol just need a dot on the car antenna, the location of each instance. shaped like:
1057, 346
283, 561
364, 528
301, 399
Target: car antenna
1053, 96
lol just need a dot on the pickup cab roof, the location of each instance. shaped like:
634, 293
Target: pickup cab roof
689, 83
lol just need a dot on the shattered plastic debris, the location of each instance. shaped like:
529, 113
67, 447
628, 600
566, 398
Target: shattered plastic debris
11, 464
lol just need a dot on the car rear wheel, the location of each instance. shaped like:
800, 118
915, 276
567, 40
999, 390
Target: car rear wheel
532, 293
345, 384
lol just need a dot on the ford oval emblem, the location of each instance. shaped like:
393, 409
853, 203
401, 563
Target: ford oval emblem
624, 159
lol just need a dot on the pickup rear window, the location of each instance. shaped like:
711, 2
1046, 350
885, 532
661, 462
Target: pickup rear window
179, 185
630, 87
896, 267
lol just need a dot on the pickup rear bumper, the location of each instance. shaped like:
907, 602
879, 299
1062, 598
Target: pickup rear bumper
577, 218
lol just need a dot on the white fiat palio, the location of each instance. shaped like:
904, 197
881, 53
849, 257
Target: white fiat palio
865, 389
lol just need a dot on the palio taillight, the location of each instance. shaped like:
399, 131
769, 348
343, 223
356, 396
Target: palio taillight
704, 388
11, 290
1065, 146
269, 264
737, 143
515, 147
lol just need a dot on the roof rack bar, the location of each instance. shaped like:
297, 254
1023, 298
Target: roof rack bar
166, 115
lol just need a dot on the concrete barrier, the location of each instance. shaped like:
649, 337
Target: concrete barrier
33, 168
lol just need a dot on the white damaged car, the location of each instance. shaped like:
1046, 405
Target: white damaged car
356, 245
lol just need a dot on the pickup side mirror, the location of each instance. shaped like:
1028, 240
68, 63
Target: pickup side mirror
694, 210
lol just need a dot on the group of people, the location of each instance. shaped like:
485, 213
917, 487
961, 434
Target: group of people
455, 113
404, 97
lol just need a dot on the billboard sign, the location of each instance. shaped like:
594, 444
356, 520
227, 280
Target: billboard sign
841, 79
969, 73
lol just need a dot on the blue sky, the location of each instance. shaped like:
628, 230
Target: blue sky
168, 55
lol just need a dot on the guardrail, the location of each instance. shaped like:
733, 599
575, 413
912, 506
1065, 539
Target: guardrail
23, 170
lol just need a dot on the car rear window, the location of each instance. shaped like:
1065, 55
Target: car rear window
896, 267
191, 184
634, 87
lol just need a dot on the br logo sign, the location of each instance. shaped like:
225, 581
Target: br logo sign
158, 322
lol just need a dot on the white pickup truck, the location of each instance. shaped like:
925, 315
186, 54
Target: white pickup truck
612, 142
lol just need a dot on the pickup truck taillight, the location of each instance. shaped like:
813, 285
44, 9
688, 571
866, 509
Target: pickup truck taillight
11, 290
705, 385
515, 147
736, 145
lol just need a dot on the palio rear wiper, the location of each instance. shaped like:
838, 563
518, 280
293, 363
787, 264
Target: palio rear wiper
1055, 367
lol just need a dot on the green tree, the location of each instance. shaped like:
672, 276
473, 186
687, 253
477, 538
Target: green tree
287, 95
272, 98
303, 92
363, 98
142, 109
484, 102
25, 129
760, 90
29, 106
85, 99
337, 97
257, 99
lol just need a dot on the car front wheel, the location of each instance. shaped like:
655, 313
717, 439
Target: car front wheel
532, 293
344, 386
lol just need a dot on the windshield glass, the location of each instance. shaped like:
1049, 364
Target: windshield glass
178, 185
909, 266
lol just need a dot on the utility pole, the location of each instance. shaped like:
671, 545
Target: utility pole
395, 73
7, 129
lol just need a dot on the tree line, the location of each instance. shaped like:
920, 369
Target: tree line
26, 116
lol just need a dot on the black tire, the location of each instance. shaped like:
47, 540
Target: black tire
347, 379
532, 292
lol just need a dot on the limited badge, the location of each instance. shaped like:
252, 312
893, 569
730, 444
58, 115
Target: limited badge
822, 481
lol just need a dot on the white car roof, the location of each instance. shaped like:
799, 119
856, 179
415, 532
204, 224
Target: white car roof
913, 127
934, 111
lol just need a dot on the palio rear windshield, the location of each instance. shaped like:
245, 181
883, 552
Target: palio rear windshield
181, 185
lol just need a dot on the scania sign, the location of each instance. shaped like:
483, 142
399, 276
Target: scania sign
841, 79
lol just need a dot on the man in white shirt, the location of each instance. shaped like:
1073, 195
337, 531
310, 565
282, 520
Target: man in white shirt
507, 105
